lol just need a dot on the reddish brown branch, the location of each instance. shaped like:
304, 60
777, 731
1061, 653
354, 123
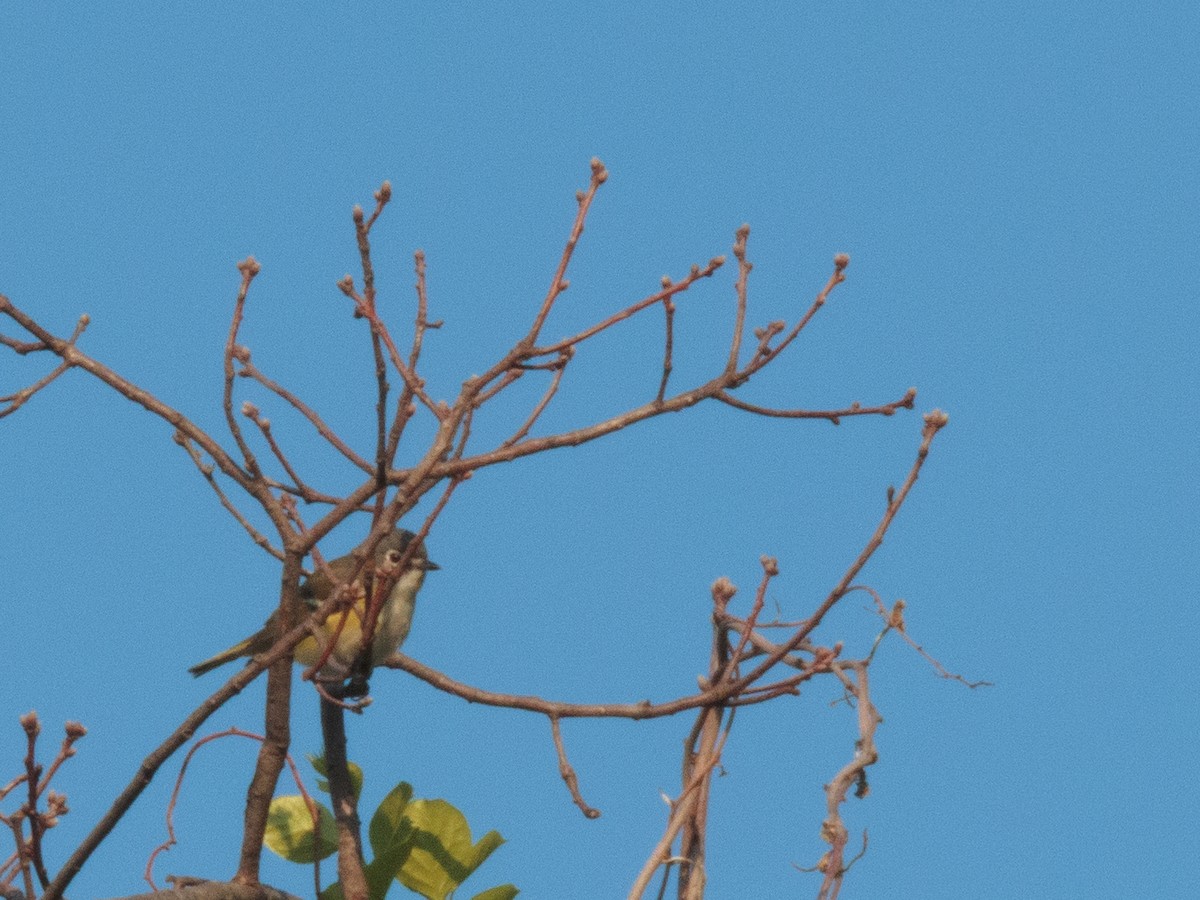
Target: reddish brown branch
76, 358
250, 411
249, 268
833, 415
765, 353
248, 370
568, 773
641, 710
362, 231
739, 325
18, 399
380, 329
694, 275
668, 344
559, 282
560, 367
404, 407
206, 469
934, 422
171, 841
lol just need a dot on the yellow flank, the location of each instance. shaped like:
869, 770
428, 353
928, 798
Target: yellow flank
308, 652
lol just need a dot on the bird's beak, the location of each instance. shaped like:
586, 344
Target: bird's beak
429, 565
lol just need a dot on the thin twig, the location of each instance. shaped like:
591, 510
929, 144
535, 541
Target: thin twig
249, 268
833, 415
404, 406
668, 343
362, 231
934, 422
678, 287
895, 621
378, 327
559, 282
739, 324
766, 354
560, 367
248, 370
19, 399
206, 469
171, 841
250, 411
568, 773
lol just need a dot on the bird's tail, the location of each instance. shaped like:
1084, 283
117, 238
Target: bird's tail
241, 648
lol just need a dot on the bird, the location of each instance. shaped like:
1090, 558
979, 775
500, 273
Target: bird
391, 628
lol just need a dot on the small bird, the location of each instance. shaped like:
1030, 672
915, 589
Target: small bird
395, 617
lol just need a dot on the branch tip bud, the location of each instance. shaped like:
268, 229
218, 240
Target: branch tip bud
841, 260
722, 591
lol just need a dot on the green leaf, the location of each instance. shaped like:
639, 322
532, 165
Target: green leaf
443, 855
290, 830
381, 871
500, 892
391, 836
356, 773
388, 825
486, 847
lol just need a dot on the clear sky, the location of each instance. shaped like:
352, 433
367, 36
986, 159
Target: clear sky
1017, 185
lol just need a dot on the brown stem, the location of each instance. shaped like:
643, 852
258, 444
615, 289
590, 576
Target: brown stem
249, 268
934, 422
668, 345
766, 354
833, 829
568, 772
559, 284
273, 751
345, 804
833, 415
206, 470
560, 367
249, 370
739, 325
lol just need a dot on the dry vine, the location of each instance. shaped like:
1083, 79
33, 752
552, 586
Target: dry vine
743, 659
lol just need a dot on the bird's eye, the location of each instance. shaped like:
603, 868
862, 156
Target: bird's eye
393, 556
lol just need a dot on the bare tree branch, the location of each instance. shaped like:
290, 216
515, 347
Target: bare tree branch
742, 659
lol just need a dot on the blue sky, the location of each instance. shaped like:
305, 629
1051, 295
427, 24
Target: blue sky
1017, 187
